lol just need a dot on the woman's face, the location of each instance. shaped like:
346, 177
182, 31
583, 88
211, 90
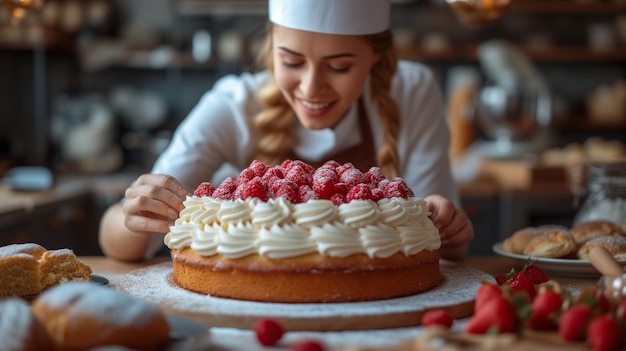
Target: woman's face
320, 75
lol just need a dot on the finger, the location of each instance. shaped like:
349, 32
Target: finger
144, 192
165, 181
144, 224
150, 206
460, 237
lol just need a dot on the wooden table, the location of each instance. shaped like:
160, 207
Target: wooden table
236, 339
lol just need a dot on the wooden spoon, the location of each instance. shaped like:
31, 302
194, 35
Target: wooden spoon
604, 262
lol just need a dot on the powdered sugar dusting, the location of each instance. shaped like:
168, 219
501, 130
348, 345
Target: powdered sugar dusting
155, 284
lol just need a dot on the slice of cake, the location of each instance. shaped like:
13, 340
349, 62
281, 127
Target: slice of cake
293, 233
60, 266
19, 269
27, 269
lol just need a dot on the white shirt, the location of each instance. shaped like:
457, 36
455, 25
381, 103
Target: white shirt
220, 130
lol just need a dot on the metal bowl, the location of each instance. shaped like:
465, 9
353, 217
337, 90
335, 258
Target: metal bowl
504, 114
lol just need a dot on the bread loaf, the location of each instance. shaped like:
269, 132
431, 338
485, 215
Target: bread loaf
82, 316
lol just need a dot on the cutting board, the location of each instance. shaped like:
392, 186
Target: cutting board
455, 295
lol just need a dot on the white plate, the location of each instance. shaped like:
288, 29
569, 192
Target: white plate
556, 266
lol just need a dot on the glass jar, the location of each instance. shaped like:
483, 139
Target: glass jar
602, 187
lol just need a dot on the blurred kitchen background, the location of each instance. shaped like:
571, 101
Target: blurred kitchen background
91, 90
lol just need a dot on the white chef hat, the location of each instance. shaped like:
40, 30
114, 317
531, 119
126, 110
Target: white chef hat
348, 17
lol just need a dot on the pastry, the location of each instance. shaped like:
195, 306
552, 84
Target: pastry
554, 242
517, 242
339, 237
82, 316
615, 245
584, 231
28, 268
19, 329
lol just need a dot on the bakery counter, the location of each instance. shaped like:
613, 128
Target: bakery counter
66, 215
379, 339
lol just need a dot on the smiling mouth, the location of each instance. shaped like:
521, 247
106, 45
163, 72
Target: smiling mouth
314, 106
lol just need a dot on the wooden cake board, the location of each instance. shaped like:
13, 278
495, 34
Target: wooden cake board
455, 295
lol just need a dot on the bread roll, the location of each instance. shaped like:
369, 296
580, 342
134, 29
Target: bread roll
19, 329
615, 245
517, 242
555, 242
591, 229
81, 316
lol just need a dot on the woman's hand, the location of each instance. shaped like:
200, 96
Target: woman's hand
454, 226
152, 203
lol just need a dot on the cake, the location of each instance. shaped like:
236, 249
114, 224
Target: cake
27, 269
293, 233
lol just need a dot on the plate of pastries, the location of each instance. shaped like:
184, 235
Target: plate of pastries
564, 251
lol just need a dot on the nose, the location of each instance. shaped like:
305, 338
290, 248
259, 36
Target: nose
312, 82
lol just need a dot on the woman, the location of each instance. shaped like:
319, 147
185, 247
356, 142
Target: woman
331, 71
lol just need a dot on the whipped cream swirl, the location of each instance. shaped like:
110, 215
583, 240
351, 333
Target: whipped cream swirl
278, 229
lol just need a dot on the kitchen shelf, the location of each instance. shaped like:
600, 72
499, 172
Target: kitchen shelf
562, 54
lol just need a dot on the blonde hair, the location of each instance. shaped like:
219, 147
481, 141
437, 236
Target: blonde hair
276, 122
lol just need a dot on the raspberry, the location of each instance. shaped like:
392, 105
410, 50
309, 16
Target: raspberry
258, 167
325, 173
352, 177
245, 176
298, 175
341, 188
280, 183
359, 192
204, 189
397, 188
344, 167
377, 194
305, 193
374, 176
331, 163
226, 189
306, 345
437, 317
274, 171
307, 168
324, 187
287, 192
285, 165
268, 331
255, 188
338, 199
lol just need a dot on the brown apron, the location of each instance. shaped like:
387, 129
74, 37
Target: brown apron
362, 156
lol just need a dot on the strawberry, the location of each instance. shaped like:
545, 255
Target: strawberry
204, 189
486, 292
545, 310
604, 334
573, 322
595, 299
359, 192
307, 345
437, 317
501, 278
496, 315
620, 312
537, 274
268, 331
255, 188
522, 283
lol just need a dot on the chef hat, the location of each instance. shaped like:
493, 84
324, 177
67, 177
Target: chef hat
348, 17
